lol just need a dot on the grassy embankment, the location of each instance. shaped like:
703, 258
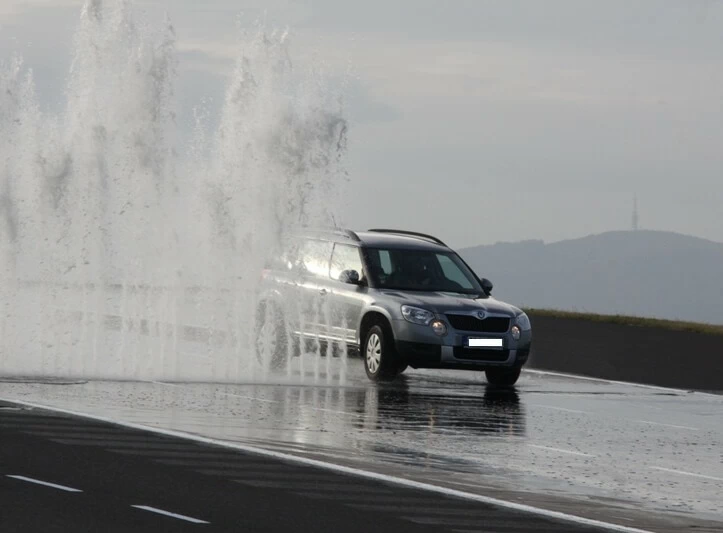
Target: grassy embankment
676, 325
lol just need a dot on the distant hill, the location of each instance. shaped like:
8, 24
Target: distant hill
641, 273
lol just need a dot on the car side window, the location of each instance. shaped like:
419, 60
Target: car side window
345, 258
315, 258
452, 272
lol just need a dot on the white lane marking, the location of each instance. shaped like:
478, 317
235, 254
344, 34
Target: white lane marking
682, 473
614, 382
560, 408
399, 481
559, 450
45, 483
172, 515
666, 425
640, 421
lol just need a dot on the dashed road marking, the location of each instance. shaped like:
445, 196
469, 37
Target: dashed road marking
564, 409
168, 513
667, 425
616, 382
560, 408
559, 450
44, 483
683, 473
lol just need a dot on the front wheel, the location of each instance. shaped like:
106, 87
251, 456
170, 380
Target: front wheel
380, 356
503, 377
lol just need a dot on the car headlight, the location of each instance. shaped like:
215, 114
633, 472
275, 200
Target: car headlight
523, 321
417, 315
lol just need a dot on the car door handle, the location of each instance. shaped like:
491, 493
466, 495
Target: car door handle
322, 291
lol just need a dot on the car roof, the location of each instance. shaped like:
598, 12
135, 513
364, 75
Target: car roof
394, 240
390, 239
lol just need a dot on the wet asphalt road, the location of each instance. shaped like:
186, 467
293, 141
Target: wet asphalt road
67, 474
633, 456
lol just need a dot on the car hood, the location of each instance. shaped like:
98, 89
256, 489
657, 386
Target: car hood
445, 302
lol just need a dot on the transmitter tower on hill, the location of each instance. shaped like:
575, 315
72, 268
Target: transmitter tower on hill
635, 213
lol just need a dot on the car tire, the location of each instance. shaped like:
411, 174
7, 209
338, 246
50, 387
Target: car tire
503, 377
271, 338
380, 354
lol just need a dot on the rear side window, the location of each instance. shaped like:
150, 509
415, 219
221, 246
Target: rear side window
345, 258
315, 258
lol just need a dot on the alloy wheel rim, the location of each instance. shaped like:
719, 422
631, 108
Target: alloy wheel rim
374, 353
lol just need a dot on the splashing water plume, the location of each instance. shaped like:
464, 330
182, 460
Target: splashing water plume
120, 258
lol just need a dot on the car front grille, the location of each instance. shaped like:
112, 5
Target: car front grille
480, 354
491, 324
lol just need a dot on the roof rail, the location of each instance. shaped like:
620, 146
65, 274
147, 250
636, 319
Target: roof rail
410, 234
339, 232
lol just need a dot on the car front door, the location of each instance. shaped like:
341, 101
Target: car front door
347, 299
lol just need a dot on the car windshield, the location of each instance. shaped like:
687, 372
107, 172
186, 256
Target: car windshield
420, 270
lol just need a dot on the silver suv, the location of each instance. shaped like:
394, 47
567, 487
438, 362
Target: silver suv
398, 298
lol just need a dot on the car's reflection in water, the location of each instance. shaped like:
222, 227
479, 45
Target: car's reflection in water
495, 412
430, 422
458, 426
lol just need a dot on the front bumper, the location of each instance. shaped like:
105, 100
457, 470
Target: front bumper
419, 347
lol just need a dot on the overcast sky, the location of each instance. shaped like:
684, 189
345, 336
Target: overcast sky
479, 120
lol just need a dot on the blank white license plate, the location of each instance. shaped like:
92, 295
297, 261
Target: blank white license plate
484, 343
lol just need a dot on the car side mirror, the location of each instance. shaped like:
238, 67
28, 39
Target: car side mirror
349, 276
487, 285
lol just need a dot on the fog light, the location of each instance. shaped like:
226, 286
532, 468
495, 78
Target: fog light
439, 328
516, 333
